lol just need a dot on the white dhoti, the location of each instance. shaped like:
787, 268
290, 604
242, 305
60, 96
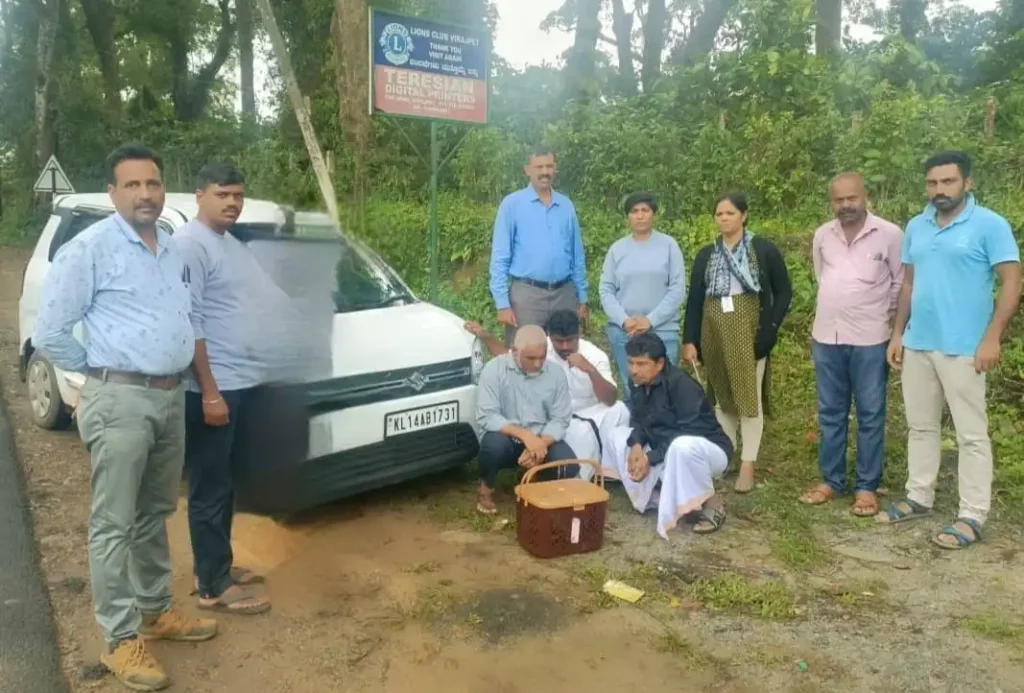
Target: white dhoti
686, 476
583, 439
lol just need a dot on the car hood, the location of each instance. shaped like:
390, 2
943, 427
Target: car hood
403, 336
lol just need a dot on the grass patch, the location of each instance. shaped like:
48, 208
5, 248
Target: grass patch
789, 525
433, 603
857, 593
672, 644
767, 600
995, 627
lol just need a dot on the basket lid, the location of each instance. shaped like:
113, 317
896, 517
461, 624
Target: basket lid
561, 493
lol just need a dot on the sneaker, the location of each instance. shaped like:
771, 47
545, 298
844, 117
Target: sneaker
135, 667
174, 625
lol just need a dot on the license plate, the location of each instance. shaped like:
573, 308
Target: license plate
420, 419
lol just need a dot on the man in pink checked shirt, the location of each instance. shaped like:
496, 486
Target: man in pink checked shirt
859, 272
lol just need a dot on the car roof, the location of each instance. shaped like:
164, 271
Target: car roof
253, 212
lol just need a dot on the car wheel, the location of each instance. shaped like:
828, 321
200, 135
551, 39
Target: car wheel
48, 409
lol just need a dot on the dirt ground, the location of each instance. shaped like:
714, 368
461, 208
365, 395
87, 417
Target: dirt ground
407, 591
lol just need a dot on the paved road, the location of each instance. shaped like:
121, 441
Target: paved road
29, 657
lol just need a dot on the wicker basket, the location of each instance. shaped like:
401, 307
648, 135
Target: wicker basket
561, 517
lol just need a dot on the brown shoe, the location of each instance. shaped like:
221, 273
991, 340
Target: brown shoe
135, 667
174, 625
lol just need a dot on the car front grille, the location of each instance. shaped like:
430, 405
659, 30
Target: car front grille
359, 390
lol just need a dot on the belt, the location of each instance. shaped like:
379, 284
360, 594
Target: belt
156, 382
550, 286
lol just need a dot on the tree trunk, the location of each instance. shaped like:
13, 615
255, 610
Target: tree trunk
828, 26
99, 21
349, 31
316, 156
912, 17
581, 69
243, 11
191, 94
655, 30
622, 25
701, 40
46, 43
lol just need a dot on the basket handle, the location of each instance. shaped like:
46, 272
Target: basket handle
532, 471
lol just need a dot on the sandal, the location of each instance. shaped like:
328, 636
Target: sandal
962, 540
818, 495
865, 504
233, 601
485, 503
710, 521
243, 577
903, 511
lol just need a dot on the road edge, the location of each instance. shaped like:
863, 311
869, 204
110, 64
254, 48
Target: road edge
30, 660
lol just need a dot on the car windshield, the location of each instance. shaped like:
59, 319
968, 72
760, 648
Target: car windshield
307, 255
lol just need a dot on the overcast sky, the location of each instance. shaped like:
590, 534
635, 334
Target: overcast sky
520, 40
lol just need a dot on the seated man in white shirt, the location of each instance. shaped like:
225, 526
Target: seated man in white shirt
595, 406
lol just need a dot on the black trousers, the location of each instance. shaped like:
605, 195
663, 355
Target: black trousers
498, 451
215, 457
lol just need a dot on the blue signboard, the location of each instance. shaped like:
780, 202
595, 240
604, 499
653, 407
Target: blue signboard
428, 69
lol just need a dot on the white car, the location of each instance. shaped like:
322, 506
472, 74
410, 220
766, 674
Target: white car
394, 398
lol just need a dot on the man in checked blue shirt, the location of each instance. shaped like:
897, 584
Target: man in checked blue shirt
127, 284
537, 260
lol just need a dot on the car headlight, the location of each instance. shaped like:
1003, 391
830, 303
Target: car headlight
476, 360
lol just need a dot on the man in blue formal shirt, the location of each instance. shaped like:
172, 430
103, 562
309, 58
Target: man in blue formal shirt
537, 260
126, 283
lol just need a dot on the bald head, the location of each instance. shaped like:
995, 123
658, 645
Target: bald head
530, 335
849, 200
530, 348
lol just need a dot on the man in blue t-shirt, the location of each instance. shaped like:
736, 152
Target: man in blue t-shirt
946, 338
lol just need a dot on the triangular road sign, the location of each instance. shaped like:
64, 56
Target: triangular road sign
53, 180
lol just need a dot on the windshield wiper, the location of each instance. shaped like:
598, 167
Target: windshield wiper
404, 296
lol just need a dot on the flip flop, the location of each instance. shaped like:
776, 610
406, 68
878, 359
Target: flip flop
818, 494
226, 602
865, 505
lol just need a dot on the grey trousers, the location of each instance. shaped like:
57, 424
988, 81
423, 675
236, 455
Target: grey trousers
533, 306
136, 441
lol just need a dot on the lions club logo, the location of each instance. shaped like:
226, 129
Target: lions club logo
397, 43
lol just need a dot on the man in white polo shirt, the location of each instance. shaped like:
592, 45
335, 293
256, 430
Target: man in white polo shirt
595, 404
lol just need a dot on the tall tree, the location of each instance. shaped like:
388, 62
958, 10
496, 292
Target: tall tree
243, 12
828, 26
581, 66
46, 44
622, 27
913, 19
349, 30
655, 31
177, 23
701, 38
100, 23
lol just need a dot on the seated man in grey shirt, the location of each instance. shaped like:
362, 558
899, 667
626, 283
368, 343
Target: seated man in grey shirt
523, 409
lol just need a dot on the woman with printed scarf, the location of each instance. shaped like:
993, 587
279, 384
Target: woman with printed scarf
739, 294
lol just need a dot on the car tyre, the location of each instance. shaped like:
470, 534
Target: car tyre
45, 403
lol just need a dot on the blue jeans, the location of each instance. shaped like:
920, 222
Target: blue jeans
860, 372
617, 339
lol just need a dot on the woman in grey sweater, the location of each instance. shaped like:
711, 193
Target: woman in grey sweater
643, 282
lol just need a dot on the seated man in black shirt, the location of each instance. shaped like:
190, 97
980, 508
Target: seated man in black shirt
675, 441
